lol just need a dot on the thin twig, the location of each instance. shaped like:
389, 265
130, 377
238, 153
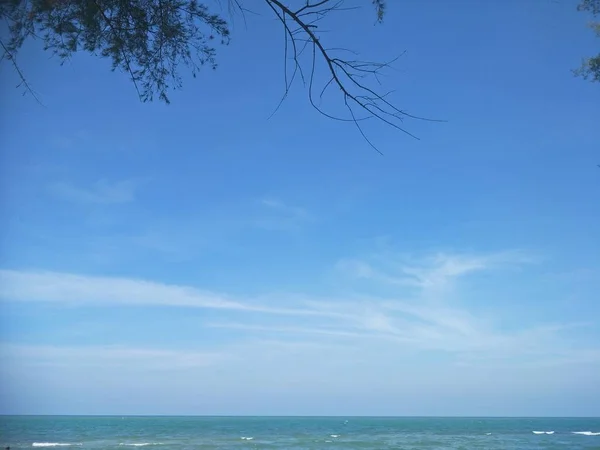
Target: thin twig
345, 74
23, 82
123, 52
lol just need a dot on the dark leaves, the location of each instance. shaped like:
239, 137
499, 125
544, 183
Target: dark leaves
379, 9
590, 68
148, 39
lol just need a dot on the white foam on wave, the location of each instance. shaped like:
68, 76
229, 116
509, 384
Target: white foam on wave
488, 434
543, 432
53, 444
334, 435
244, 438
140, 444
587, 433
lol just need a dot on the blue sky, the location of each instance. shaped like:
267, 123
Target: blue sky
200, 258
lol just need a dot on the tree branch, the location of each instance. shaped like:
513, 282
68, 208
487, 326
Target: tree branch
345, 74
123, 51
11, 57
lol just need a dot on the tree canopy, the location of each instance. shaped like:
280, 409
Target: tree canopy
154, 41
590, 68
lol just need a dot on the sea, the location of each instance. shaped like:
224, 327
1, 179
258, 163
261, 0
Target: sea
295, 433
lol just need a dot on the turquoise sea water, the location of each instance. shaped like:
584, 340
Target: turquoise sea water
294, 433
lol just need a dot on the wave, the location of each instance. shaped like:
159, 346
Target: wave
587, 433
53, 444
335, 435
543, 432
244, 438
141, 444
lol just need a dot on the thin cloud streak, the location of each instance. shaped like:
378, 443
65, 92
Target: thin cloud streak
291, 330
278, 205
413, 320
109, 355
67, 288
101, 192
434, 272
280, 216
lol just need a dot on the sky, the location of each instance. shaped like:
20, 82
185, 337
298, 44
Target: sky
206, 258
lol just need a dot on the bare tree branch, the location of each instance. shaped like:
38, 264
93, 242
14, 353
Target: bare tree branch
347, 75
11, 57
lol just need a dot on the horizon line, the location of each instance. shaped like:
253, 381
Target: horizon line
301, 416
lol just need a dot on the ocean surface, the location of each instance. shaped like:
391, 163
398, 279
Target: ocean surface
294, 433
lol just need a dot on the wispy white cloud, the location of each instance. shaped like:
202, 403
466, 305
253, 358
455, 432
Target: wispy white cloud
99, 140
293, 330
212, 231
418, 315
298, 348
277, 215
289, 210
435, 272
100, 192
110, 355
316, 375
70, 140
80, 290
184, 240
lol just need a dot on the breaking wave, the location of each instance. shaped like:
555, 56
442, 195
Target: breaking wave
53, 444
141, 444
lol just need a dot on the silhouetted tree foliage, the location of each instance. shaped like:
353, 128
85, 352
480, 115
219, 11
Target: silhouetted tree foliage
152, 40
590, 68
148, 39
